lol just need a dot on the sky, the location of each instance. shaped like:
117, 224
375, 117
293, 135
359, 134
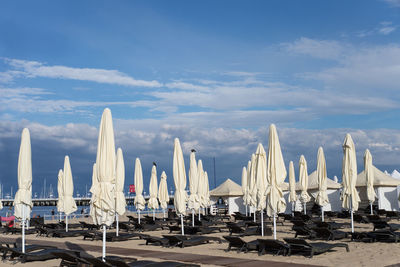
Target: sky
215, 74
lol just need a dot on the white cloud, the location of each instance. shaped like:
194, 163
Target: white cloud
387, 30
231, 147
32, 69
323, 49
393, 3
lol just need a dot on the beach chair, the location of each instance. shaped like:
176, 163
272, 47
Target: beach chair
376, 218
362, 237
385, 236
13, 252
155, 240
39, 255
240, 244
393, 214
328, 234
70, 258
270, 245
304, 231
74, 233
385, 225
359, 218
89, 226
302, 246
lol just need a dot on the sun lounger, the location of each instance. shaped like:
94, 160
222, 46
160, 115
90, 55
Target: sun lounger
40, 255
234, 229
270, 245
240, 244
327, 234
385, 236
304, 231
155, 240
73, 233
89, 226
13, 252
385, 225
70, 258
362, 237
302, 246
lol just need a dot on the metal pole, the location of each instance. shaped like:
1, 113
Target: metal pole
274, 226
139, 216
192, 218
104, 243
117, 224
254, 213
351, 214
322, 212
246, 210
23, 228
371, 208
199, 214
305, 208
154, 215
66, 223
262, 223
183, 231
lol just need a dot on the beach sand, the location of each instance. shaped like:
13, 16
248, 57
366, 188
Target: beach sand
361, 254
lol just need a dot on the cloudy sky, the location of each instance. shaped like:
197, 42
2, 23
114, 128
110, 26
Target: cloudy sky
213, 73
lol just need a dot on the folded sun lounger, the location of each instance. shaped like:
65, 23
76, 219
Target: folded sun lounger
302, 246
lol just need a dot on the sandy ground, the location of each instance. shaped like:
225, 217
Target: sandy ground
361, 254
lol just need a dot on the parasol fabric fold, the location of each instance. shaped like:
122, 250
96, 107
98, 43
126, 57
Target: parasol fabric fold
202, 187
244, 185
163, 196
303, 177
138, 179
179, 173
120, 201
252, 184
369, 175
194, 201
60, 201
322, 197
349, 196
153, 190
23, 197
276, 174
104, 202
292, 183
69, 204
94, 189
261, 177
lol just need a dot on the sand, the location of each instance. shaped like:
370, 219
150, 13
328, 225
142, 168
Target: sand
361, 254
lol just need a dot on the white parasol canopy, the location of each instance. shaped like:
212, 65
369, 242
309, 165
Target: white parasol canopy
276, 175
202, 187
207, 194
322, 197
163, 196
244, 185
349, 196
252, 184
248, 183
303, 177
194, 201
120, 202
261, 177
60, 202
153, 189
94, 189
69, 204
138, 179
23, 198
104, 203
179, 173
292, 183
369, 174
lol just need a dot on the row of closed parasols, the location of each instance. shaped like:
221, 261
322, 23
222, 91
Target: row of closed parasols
108, 200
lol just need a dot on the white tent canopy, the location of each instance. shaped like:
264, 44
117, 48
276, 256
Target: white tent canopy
227, 189
313, 183
380, 179
395, 174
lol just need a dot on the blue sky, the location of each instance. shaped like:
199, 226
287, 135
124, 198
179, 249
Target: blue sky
213, 73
